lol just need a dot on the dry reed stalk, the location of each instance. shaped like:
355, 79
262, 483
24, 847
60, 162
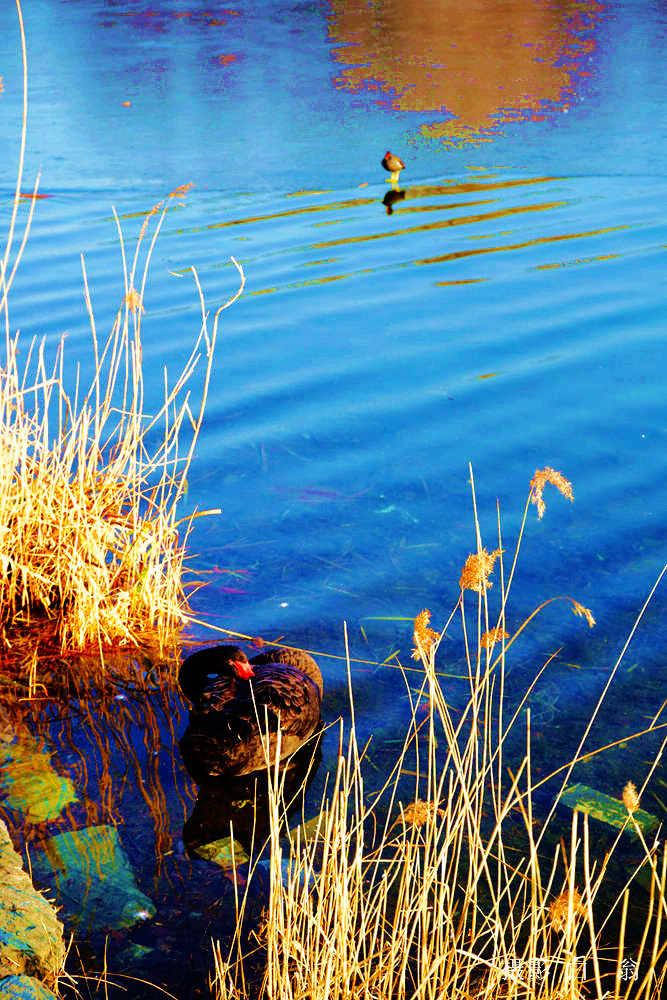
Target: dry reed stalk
91, 548
421, 892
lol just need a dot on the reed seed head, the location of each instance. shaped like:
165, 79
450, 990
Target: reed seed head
477, 569
180, 192
539, 481
560, 909
418, 813
583, 612
133, 300
424, 636
494, 635
630, 797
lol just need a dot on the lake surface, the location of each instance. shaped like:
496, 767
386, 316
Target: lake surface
504, 307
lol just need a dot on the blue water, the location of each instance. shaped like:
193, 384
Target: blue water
508, 313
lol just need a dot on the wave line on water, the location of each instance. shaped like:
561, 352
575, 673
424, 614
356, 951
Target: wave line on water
537, 241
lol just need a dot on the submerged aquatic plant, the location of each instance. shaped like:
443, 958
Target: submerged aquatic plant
449, 881
91, 548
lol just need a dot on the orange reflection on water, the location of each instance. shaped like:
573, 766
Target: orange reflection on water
459, 220
538, 241
482, 62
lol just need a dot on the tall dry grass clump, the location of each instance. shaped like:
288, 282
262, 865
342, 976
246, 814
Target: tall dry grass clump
91, 547
443, 884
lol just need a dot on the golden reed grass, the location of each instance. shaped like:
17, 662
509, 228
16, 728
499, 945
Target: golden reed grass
91, 548
445, 883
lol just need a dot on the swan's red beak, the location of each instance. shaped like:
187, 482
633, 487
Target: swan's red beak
243, 670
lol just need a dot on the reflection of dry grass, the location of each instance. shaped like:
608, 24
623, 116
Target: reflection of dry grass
115, 725
90, 544
443, 883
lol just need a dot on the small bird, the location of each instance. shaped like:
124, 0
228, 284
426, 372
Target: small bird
394, 164
229, 694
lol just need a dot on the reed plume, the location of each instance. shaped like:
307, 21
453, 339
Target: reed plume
539, 481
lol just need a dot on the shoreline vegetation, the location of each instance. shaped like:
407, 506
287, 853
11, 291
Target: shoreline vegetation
453, 879
92, 551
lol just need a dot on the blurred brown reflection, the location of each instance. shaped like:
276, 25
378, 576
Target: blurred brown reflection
243, 804
481, 61
391, 198
96, 746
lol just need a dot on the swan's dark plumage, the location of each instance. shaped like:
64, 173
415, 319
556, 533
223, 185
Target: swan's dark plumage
222, 737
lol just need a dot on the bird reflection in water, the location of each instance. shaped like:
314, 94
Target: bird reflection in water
242, 805
391, 197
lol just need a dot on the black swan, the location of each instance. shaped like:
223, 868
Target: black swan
394, 164
229, 693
